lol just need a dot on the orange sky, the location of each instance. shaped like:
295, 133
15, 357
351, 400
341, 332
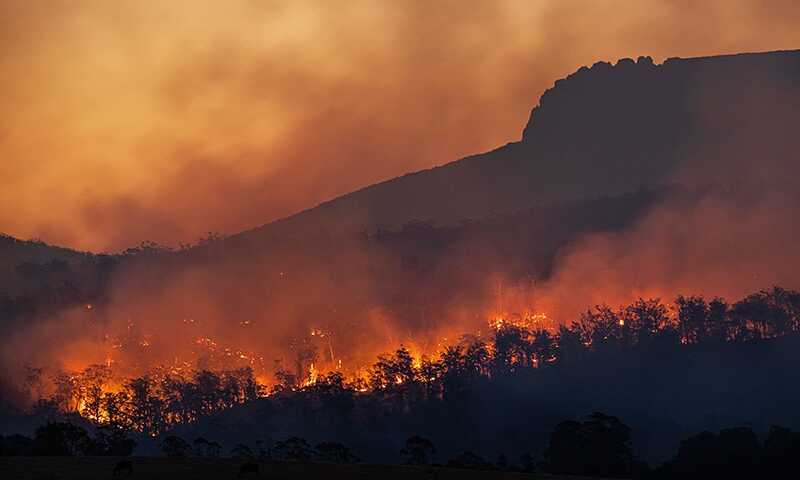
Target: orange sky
140, 120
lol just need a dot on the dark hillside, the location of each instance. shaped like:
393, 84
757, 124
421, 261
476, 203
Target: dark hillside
602, 131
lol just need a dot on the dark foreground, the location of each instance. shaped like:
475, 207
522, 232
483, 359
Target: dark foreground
88, 468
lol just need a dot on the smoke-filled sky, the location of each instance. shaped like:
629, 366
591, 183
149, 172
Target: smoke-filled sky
133, 120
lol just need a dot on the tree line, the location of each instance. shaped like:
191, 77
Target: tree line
598, 446
153, 404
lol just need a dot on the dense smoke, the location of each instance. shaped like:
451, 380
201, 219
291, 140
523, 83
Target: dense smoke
734, 232
274, 311
719, 247
263, 134
132, 121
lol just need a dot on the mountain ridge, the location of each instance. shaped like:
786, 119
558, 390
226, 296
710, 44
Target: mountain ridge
499, 181
655, 133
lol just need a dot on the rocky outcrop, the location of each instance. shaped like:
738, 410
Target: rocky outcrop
602, 131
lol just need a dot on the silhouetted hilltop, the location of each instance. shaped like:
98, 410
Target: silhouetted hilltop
602, 147
602, 131
38, 278
14, 251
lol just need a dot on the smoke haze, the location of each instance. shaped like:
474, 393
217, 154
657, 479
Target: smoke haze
130, 121
138, 121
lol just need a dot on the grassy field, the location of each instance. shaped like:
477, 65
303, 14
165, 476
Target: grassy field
90, 468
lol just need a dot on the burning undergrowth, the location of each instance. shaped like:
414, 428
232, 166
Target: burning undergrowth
249, 323
158, 398
285, 308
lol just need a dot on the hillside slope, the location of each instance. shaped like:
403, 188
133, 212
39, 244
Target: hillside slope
602, 131
602, 147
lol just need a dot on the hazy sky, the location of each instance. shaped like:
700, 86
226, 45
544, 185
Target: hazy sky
141, 120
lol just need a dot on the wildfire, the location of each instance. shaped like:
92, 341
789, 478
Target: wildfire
93, 398
316, 332
206, 342
136, 355
528, 320
497, 322
417, 362
312, 375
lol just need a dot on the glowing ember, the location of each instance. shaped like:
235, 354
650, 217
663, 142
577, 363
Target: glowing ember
529, 321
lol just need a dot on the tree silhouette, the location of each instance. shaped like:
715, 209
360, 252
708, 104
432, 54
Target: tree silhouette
645, 319
512, 349
733, 453
335, 452
113, 441
569, 349
600, 328
62, 439
174, 446
692, 319
543, 347
293, 448
599, 446
204, 448
418, 451
145, 405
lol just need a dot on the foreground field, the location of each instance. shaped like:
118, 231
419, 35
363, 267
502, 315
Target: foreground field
90, 468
